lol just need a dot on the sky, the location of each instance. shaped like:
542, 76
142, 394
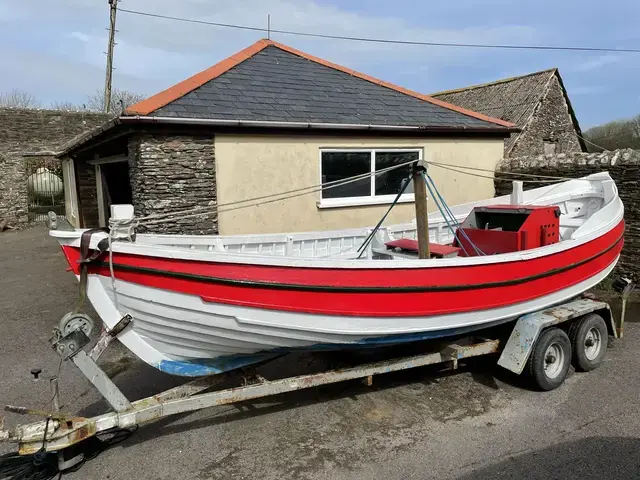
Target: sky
55, 49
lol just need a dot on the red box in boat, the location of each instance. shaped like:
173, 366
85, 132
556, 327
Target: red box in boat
508, 228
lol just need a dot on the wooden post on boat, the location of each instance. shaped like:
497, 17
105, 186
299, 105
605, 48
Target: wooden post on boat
422, 220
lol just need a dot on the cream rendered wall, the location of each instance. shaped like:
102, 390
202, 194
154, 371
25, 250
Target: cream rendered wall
249, 166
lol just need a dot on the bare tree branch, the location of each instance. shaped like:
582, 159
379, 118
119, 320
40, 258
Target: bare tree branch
67, 106
19, 99
120, 100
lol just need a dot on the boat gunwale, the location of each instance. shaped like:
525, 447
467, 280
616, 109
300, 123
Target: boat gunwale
361, 289
180, 253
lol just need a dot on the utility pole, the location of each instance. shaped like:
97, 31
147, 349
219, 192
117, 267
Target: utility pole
113, 6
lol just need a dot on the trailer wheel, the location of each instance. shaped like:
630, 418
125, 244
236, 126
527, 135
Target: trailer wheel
549, 361
589, 337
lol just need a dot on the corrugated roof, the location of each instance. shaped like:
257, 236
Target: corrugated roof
512, 99
269, 81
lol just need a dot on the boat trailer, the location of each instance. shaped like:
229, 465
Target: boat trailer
536, 342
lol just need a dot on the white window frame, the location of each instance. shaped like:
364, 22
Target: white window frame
372, 199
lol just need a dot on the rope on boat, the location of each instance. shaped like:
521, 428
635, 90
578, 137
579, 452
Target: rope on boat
453, 233
111, 272
437, 196
272, 197
531, 175
369, 239
130, 232
453, 217
544, 179
158, 218
132, 224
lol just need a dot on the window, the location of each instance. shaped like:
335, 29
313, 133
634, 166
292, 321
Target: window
338, 165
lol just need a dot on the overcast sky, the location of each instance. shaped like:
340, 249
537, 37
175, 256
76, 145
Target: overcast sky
55, 49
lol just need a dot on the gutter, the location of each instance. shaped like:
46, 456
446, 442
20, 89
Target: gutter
143, 119
301, 125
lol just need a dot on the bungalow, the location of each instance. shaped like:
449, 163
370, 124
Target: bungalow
272, 119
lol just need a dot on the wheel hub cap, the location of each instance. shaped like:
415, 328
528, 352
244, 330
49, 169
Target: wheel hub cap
554, 360
592, 344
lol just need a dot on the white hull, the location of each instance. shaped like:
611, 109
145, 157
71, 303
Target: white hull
182, 335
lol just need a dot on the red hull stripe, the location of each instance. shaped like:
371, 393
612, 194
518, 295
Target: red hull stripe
398, 292
347, 289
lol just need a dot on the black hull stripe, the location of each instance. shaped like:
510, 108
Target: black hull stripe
342, 289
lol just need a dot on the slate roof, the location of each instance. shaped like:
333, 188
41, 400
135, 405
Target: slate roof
272, 82
512, 99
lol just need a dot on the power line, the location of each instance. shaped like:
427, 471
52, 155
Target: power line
384, 40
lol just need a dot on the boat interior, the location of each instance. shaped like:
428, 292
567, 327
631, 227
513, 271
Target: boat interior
520, 221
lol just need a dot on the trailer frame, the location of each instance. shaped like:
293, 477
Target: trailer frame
59, 431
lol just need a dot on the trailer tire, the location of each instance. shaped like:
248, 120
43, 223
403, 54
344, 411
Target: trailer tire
550, 359
588, 337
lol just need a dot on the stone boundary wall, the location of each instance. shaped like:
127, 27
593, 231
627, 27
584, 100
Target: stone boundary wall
624, 167
31, 130
13, 189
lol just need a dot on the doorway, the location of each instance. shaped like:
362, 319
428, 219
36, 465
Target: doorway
113, 187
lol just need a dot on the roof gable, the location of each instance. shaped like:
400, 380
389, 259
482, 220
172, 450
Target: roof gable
512, 99
269, 81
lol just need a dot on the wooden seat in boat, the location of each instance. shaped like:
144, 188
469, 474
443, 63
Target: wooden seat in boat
437, 250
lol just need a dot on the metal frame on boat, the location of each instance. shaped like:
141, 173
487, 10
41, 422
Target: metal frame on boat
519, 349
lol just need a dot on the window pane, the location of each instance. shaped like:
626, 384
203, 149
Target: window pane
389, 183
342, 165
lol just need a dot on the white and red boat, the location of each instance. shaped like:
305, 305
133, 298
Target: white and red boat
206, 304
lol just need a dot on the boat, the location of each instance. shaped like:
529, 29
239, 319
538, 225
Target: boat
202, 305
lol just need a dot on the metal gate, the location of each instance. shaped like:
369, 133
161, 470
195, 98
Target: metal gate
45, 187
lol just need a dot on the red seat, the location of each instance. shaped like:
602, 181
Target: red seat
437, 250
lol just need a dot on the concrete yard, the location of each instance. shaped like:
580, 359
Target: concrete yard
474, 423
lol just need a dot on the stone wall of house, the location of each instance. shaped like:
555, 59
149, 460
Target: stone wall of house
624, 167
550, 124
27, 130
172, 173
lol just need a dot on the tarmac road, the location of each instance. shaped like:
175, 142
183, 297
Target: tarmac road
422, 424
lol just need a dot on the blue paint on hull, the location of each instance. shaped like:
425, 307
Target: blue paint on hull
200, 367
211, 366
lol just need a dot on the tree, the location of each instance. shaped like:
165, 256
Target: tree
613, 135
19, 99
67, 106
120, 100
